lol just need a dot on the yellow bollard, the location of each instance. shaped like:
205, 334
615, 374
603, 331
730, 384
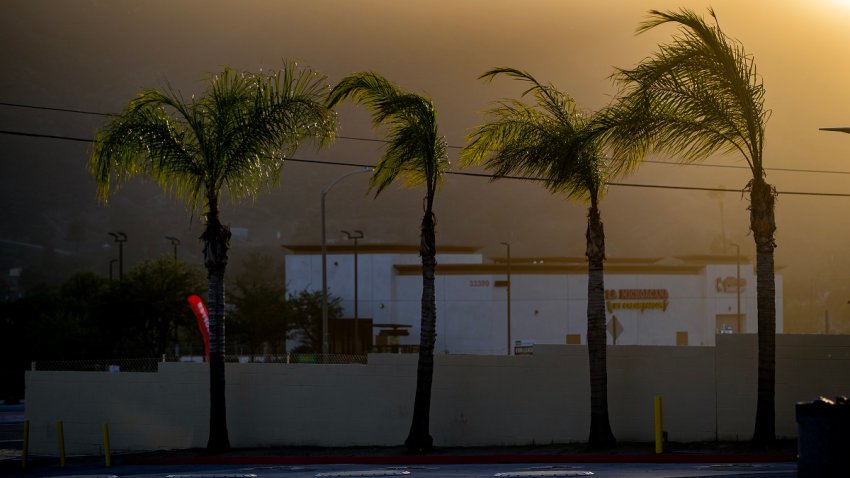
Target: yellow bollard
106, 445
26, 447
60, 428
659, 426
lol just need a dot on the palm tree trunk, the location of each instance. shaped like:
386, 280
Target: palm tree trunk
763, 225
600, 428
216, 239
419, 438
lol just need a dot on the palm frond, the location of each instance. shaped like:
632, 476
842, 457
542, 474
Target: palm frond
233, 138
143, 140
415, 151
697, 95
550, 140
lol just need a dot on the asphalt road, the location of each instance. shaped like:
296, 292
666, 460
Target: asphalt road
11, 427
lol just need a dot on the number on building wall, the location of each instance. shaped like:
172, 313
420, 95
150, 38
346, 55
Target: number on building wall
479, 283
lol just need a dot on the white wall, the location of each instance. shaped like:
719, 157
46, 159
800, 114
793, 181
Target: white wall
709, 392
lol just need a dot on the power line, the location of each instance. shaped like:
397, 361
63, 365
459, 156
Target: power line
377, 140
466, 173
49, 108
48, 136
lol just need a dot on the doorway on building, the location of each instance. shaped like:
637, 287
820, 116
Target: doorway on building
341, 333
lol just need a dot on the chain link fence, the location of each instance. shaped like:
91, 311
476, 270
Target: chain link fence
150, 365
300, 358
105, 365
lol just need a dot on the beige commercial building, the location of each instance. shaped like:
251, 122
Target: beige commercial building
684, 300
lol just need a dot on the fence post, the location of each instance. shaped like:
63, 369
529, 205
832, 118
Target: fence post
106, 452
659, 426
26, 444
60, 429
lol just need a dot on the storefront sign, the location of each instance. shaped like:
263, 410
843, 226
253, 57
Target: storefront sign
636, 299
729, 285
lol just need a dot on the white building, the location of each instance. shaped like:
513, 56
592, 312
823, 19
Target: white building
684, 300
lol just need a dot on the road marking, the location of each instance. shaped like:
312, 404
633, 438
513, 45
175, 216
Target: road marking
542, 474
214, 475
359, 473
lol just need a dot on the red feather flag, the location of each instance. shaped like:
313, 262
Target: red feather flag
203, 318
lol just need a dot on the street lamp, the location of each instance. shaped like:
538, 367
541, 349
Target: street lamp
174, 242
508, 262
111, 263
325, 258
358, 234
120, 238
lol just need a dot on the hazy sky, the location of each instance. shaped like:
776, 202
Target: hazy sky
95, 55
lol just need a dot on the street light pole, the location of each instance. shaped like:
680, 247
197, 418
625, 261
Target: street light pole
358, 234
174, 242
325, 258
120, 238
508, 262
738, 284
845, 129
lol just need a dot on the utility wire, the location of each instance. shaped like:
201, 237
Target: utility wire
49, 136
49, 108
466, 173
376, 140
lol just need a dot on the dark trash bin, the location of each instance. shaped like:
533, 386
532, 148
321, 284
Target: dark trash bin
823, 438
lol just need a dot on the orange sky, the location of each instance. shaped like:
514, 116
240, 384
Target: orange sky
95, 55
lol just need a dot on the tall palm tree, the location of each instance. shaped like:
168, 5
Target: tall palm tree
554, 142
232, 140
697, 95
416, 152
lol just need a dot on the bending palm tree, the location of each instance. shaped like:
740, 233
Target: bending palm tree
698, 95
233, 139
553, 142
416, 152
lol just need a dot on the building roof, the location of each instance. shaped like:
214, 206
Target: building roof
309, 249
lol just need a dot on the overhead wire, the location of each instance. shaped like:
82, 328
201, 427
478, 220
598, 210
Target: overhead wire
456, 173
378, 140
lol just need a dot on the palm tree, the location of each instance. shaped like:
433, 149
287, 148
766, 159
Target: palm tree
231, 140
555, 143
695, 96
416, 152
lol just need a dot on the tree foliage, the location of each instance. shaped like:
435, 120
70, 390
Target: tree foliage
304, 315
697, 95
416, 152
89, 317
259, 322
231, 140
553, 141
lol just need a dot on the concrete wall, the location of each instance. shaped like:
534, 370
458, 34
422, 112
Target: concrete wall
709, 392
